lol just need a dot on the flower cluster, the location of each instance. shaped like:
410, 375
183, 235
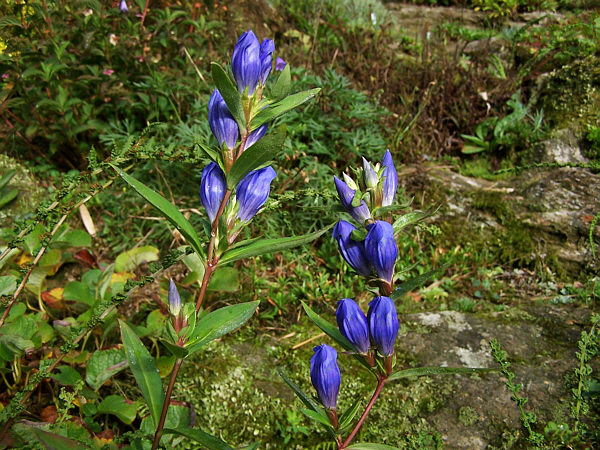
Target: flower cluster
375, 254
373, 336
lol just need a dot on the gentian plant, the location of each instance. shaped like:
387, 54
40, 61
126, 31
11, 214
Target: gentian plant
235, 185
370, 249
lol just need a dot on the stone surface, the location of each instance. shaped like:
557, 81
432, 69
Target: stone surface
561, 148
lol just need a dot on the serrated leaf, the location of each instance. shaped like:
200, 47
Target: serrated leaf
118, 406
282, 85
220, 322
426, 371
168, 210
209, 441
230, 94
277, 109
262, 246
261, 152
144, 370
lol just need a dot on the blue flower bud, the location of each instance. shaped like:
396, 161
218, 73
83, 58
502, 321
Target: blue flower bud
325, 375
390, 183
123, 6
253, 191
255, 136
381, 249
267, 47
352, 323
212, 189
383, 324
174, 299
246, 62
222, 123
280, 64
359, 213
352, 251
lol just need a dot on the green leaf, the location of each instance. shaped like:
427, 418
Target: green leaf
175, 350
102, 365
118, 406
317, 416
422, 371
129, 260
230, 94
8, 197
282, 85
6, 178
67, 376
73, 238
53, 441
261, 152
347, 416
262, 246
411, 218
277, 109
415, 282
225, 279
329, 329
8, 284
220, 322
169, 211
367, 446
304, 398
12, 345
209, 441
79, 292
144, 370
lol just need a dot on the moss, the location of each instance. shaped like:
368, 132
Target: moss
467, 416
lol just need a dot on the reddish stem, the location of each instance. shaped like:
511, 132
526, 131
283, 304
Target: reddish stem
380, 382
163, 414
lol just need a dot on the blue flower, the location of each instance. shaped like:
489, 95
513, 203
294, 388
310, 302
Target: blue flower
346, 193
352, 251
383, 324
174, 299
267, 47
246, 62
255, 136
352, 323
253, 191
390, 183
280, 64
123, 6
381, 249
212, 189
325, 375
222, 123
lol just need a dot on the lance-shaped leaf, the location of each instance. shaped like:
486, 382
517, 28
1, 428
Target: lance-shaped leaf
412, 218
263, 151
166, 208
415, 282
220, 322
328, 328
426, 371
195, 434
144, 370
277, 109
53, 441
282, 85
255, 247
303, 396
317, 416
229, 93
346, 418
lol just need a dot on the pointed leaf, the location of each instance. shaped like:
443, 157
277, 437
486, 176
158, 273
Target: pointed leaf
175, 350
309, 402
118, 406
347, 416
282, 85
422, 371
262, 246
318, 416
144, 370
6, 178
415, 282
261, 152
220, 322
329, 329
277, 109
230, 94
169, 211
54, 441
209, 441
8, 197
411, 218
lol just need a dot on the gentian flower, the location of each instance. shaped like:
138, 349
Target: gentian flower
390, 183
246, 62
123, 6
346, 193
255, 136
352, 323
212, 189
381, 249
325, 375
383, 324
370, 176
352, 251
174, 299
267, 47
280, 64
222, 123
253, 191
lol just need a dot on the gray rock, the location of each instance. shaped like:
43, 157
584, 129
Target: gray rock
561, 148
